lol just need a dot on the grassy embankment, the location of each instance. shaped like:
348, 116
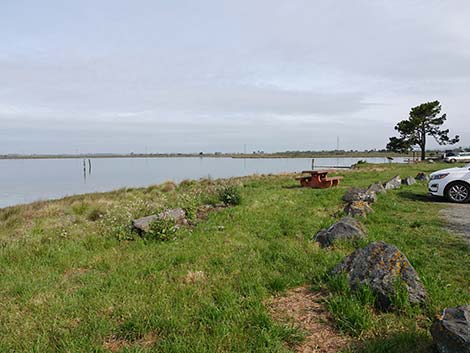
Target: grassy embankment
68, 284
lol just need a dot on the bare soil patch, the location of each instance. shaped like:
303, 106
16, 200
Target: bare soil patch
305, 310
74, 272
457, 217
116, 344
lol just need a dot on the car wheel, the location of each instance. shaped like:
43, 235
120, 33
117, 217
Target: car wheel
458, 192
453, 160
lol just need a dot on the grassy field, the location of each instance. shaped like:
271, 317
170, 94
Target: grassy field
74, 279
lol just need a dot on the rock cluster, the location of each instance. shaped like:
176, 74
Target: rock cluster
408, 181
345, 229
422, 177
360, 194
358, 200
377, 188
204, 210
381, 266
142, 225
393, 183
451, 331
358, 208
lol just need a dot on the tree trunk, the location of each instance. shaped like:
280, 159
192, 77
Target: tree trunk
423, 142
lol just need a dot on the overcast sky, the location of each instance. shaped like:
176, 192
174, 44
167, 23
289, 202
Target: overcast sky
189, 76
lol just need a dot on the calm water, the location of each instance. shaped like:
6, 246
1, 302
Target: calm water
24, 181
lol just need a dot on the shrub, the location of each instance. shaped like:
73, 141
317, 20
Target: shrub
79, 208
168, 186
94, 214
162, 229
230, 195
189, 203
121, 232
186, 183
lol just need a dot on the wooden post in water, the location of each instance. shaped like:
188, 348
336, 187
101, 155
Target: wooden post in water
84, 171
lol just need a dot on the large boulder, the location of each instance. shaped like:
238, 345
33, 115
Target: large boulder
377, 188
380, 266
358, 208
408, 181
345, 229
177, 215
393, 183
451, 331
360, 194
422, 177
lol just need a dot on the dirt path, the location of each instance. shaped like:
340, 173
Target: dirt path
458, 219
305, 309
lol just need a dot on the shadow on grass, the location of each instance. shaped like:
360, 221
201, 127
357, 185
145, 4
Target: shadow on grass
409, 195
293, 187
409, 342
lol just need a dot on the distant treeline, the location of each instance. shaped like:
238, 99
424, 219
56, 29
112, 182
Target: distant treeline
254, 154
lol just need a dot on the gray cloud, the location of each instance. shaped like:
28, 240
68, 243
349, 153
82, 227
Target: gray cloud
207, 75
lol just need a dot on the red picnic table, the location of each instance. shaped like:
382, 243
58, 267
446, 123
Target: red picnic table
318, 179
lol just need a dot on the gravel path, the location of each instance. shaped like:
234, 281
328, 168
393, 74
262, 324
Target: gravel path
458, 219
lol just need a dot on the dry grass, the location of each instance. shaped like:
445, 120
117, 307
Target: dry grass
193, 277
116, 344
305, 310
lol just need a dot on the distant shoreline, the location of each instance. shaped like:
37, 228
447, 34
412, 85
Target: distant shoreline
210, 155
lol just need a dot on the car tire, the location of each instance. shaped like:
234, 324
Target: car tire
458, 192
453, 160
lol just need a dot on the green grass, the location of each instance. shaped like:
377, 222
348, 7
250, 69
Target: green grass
71, 282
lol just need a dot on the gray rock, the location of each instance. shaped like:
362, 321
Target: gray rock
358, 208
345, 229
377, 188
408, 181
422, 177
204, 210
451, 331
380, 266
142, 225
175, 214
360, 194
393, 183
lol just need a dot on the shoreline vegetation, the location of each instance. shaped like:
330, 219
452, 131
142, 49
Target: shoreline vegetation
74, 277
288, 154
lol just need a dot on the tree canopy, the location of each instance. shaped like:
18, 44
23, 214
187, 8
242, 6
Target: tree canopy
424, 120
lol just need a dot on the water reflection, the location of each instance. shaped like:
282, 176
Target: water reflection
85, 169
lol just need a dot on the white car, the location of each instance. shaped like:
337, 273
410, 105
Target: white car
453, 183
457, 157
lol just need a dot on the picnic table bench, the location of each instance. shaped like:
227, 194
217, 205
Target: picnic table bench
318, 179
